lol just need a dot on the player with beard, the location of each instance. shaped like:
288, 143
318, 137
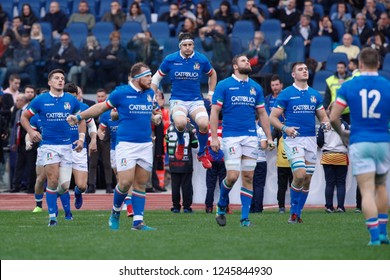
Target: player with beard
185, 68
300, 104
134, 150
240, 99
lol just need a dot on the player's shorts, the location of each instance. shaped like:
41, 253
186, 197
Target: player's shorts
129, 154
301, 147
39, 161
61, 154
189, 106
369, 157
113, 159
79, 160
236, 147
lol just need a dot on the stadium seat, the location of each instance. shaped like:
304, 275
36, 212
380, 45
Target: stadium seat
386, 63
47, 33
384, 73
162, 9
236, 45
319, 81
319, 9
272, 32
102, 31
147, 12
11, 8
320, 48
160, 31
333, 59
340, 27
128, 30
264, 9
245, 30
78, 31
356, 41
295, 49
170, 46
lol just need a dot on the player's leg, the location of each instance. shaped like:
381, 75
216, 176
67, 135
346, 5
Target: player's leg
202, 120
179, 114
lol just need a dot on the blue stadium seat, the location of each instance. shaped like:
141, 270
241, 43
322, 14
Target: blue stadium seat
47, 33
386, 63
147, 12
319, 81
245, 30
102, 31
356, 41
264, 9
160, 31
128, 30
272, 32
295, 49
319, 9
170, 46
340, 27
384, 73
157, 4
162, 10
10, 7
333, 59
78, 32
320, 48
236, 45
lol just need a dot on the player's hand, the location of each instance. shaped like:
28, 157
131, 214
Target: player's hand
92, 148
345, 137
215, 144
292, 131
156, 117
271, 144
72, 120
325, 126
35, 136
29, 145
79, 145
101, 134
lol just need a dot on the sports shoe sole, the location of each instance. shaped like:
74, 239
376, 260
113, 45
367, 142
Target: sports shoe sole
221, 220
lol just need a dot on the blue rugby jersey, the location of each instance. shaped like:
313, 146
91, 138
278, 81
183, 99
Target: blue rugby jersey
239, 101
52, 112
185, 75
107, 123
368, 98
135, 112
300, 107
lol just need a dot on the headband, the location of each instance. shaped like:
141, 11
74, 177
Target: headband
143, 74
185, 41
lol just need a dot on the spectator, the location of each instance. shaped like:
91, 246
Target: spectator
113, 63
202, 14
83, 15
57, 18
361, 29
215, 40
62, 55
378, 43
181, 170
37, 35
115, 15
383, 25
253, 13
13, 89
15, 30
287, 14
172, 18
146, 49
342, 14
5, 115
6, 50
334, 160
86, 67
189, 26
334, 82
353, 67
225, 14
308, 10
350, 50
24, 57
370, 11
258, 52
136, 14
186, 12
306, 30
326, 29
28, 17
3, 19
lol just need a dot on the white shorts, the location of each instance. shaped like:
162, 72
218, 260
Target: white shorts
189, 106
369, 157
129, 154
80, 160
301, 147
61, 154
113, 159
39, 161
236, 147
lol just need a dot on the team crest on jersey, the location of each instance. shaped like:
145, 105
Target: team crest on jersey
252, 91
49, 156
196, 66
232, 151
313, 99
295, 150
149, 98
66, 106
123, 162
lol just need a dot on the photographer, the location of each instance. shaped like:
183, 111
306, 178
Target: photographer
254, 14
214, 39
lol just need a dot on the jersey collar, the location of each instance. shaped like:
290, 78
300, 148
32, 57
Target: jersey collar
183, 57
300, 89
133, 86
55, 96
369, 74
238, 80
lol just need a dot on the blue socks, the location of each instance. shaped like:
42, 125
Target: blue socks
382, 219
51, 201
138, 200
302, 201
372, 226
246, 199
119, 197
77, 191
65, 200
295, 194
202, 140
224, 194
128, 200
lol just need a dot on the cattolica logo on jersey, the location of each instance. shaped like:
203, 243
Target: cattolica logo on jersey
196, 66
313, 99
252, 91
66, 106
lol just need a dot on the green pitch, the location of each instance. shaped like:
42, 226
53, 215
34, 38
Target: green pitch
25, 235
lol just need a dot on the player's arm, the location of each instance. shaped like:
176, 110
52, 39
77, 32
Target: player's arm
82, 129
92, 147
215, 145
35, 136
264, 121
212, 82
91, 112
323, 118
335, 115
156, 79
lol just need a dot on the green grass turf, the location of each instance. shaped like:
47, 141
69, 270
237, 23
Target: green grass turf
25, 235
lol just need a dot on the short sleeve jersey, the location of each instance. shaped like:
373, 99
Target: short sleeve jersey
53, 111
239, 101
300, 107
107, 123
185, 75
135, 112
368, 98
